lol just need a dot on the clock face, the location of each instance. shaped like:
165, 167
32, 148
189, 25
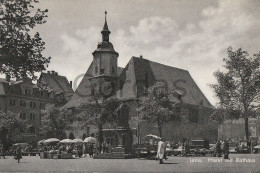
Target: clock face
106, 37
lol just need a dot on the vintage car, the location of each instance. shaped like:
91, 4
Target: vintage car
148, 149
199, 147
178, 151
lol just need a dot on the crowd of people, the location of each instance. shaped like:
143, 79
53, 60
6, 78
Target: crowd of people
79, 149
222, 147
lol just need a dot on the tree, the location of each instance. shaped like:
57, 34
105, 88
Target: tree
238, 88
98, 107
156, 105
9, 124
20, 52
53, 122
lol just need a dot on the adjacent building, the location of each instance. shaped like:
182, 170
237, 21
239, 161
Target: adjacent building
28, 99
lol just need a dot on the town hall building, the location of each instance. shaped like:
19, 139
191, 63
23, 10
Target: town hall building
192, 107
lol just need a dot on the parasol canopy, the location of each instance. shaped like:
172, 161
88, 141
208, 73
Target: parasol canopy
21, 144
51, 140
66, 141
257, 147
90, 140
41, 142
77, 140
153, 136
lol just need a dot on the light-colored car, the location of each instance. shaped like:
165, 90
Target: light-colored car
178, 151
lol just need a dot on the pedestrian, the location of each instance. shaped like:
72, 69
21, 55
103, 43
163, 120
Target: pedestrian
226, 149
186, 148
161, 150
218, 149
103, 147
91, 147
18, 153
2, 151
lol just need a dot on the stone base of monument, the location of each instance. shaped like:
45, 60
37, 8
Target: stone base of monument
116, 153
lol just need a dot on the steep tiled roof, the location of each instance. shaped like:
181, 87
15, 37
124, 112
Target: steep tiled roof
178, 79
137, 70
56, 82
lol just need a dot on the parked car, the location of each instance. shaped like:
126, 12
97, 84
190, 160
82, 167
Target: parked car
178, 151
199, 147
148, 149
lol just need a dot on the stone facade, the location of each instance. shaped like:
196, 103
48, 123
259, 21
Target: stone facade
235, 129
28, 99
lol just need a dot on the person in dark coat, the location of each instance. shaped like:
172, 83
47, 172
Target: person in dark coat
226, 149
218, 149
18, 153
91, 148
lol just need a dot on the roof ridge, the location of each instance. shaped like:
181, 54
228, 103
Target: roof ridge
159, 63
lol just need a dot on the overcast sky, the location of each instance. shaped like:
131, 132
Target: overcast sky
188, 34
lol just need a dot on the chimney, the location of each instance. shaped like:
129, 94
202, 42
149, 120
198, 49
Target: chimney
48, 72
141, 56
7, 77
52, 72
71, 84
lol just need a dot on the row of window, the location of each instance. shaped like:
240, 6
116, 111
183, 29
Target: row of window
12, 102
23, 116
28, 92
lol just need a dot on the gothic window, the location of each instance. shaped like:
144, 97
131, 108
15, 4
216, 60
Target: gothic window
193, 116
96, 69
113, 70
102, 71
21, 103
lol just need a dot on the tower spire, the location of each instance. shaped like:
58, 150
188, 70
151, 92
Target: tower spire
105, 32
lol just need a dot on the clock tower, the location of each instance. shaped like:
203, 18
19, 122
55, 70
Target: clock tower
105, 57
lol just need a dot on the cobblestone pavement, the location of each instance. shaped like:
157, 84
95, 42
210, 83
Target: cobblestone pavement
238, 163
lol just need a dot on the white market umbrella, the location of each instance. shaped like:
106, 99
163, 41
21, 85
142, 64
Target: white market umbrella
77, 140
66, 141
153, 136
257, 147
41, 142
90, 140
51, 140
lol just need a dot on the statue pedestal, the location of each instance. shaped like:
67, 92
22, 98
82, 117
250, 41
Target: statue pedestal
124, 139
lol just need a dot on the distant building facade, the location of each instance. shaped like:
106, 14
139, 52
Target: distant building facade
235, 129
129, 84
28, 99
